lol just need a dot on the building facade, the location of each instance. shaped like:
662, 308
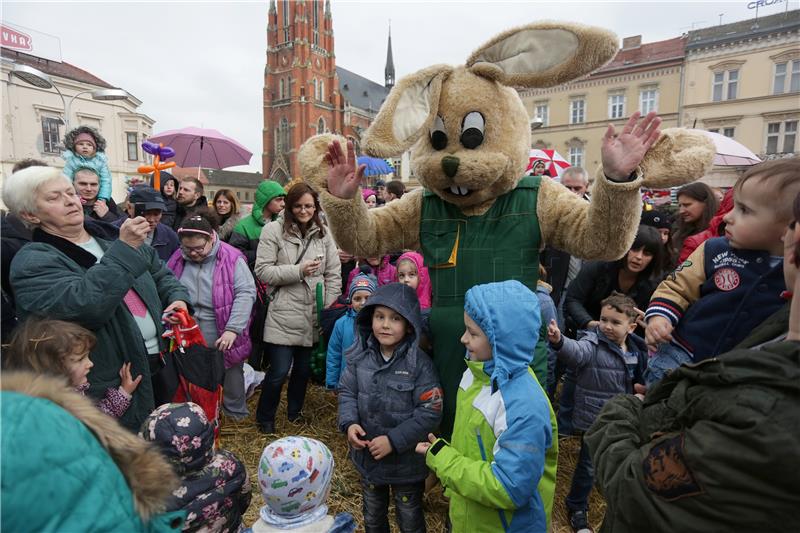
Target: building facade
305, 93
743, 81
34, 118
641, 77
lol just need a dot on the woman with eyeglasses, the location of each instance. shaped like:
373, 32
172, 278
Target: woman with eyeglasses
294, 255
223, 292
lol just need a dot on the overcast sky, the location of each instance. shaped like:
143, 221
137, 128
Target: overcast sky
202, 64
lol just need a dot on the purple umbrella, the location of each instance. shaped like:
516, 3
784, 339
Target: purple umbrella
198, 147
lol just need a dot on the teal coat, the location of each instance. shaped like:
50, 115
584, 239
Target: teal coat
69, 467
53, 277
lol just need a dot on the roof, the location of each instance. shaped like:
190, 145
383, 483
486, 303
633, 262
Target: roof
359, 91
749, 28
54, 68
647, 53
232, 178
189, 172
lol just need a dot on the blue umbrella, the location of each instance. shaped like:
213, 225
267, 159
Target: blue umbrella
375, 166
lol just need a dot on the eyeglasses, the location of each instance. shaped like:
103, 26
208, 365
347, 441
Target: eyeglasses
307, 207
194, 250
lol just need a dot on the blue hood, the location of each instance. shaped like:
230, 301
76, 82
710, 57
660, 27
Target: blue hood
508, 313
402, 298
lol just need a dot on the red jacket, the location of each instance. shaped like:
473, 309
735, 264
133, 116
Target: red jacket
691, 243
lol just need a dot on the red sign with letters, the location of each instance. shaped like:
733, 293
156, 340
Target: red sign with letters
11, 38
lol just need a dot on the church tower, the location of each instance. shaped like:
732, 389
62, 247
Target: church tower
389, 70
301, 88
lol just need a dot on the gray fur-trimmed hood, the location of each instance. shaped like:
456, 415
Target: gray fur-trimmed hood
69, 138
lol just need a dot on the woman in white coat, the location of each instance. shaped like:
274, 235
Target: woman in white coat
294, 254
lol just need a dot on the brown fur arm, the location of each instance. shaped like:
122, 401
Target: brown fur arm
602, 229
372, 232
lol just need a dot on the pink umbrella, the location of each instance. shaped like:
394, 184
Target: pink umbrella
198, 147
730, 153
554, 162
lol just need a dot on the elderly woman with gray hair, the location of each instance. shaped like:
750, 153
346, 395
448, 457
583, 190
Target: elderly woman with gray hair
73, 271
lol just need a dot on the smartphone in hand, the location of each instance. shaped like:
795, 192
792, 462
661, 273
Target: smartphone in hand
138, 210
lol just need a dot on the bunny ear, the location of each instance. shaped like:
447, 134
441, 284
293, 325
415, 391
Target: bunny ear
543, 54
407, 113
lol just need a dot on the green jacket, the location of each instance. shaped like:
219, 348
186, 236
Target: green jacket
495, 469
53, 277
246, 233
68, 467
715, 446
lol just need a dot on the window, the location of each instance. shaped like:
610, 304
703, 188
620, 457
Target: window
285, 21
322, 90
321, 125
725, 85
50, 134
577, 111
777, 130
314, 88
283, 137
616, 106
648, 100
728, 132
315, 8
714, 130
543, 112
282, 90
781, 71
133, 146
576, 155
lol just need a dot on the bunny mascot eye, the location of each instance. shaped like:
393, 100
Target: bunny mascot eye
472, 130
438, 135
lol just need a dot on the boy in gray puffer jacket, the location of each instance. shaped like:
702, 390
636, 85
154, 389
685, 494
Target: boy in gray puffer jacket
389, 399
608, 361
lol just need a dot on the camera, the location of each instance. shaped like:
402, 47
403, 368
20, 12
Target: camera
138, 210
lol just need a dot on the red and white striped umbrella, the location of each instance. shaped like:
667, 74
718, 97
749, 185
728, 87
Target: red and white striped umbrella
554, 162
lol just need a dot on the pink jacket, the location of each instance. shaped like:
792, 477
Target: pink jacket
385, 273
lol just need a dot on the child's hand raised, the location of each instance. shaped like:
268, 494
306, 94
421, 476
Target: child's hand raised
422, 447
553, 333
128, 383
355, 436
380, 447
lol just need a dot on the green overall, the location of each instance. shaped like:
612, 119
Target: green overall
462, 251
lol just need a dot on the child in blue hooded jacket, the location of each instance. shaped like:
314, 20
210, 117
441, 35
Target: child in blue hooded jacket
343, 334
499, 471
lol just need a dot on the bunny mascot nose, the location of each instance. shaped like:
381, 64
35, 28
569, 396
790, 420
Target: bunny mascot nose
450, 165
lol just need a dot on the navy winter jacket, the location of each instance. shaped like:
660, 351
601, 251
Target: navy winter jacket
401, 398
603, 371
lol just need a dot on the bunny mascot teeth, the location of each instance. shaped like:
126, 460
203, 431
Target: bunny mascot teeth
477, 219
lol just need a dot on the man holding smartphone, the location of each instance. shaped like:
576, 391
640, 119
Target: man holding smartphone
144, 201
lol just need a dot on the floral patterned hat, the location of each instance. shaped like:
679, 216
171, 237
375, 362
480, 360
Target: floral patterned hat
294, 474
183, 433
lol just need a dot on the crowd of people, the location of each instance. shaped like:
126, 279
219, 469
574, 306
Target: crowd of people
641, 355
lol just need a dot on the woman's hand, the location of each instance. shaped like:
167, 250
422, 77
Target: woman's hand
177, 304
622, 153
355, 436
310, 267
225, 341
134, 231
128, 383
422, 447
343, 176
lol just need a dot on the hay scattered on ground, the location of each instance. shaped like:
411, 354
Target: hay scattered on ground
244, 440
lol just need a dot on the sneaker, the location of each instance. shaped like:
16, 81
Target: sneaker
579, 521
